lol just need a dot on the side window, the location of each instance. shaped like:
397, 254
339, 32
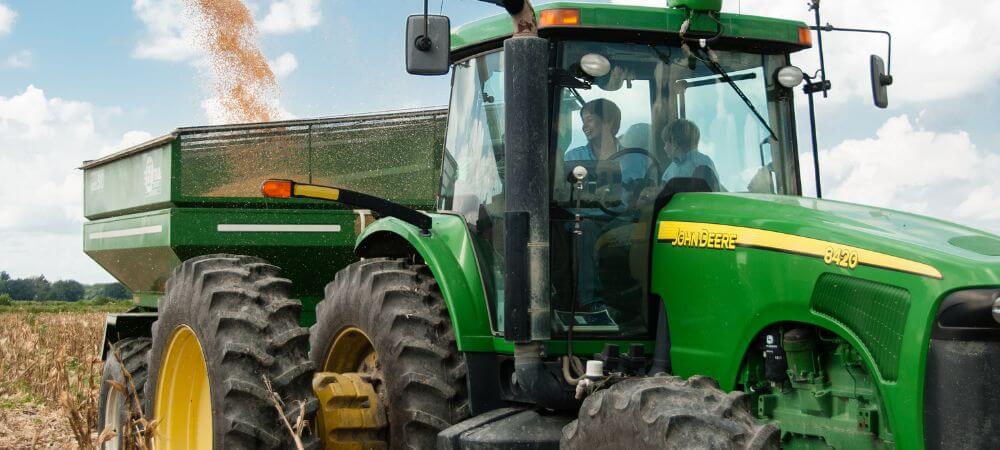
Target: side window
473, 169
472, 176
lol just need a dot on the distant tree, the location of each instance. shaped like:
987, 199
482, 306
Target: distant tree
42, 288
4, 276
66, 290
107, 290
117, 291
19, 289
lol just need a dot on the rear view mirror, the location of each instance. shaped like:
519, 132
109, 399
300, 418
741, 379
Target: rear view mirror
428, 42
879, 82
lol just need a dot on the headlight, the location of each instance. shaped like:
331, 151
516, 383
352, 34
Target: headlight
996, 309
790, 76
972, 314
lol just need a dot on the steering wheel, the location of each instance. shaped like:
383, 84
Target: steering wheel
636, 186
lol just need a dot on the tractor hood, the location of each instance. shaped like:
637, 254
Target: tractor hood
964, 256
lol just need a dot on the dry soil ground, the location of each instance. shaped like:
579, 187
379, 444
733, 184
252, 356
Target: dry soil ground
49, 379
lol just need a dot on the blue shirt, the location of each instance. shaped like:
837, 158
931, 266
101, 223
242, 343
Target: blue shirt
684, 166
633, 166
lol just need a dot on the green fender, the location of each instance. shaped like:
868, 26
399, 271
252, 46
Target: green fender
448, 252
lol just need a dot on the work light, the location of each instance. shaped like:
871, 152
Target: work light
595, 65
790, 76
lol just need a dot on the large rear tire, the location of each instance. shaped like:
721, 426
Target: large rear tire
118, 408
225, 325
666, 412
396, 309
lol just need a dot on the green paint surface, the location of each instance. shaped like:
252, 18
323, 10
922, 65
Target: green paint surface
143, 262
637, 18
139, 181
718, 301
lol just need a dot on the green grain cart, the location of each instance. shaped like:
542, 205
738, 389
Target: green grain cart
602, 243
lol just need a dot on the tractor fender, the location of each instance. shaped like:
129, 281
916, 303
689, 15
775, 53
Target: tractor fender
123, 326
448, 251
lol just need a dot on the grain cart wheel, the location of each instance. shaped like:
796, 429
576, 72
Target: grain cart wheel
666, 412
117, 409
389, 372
226, 324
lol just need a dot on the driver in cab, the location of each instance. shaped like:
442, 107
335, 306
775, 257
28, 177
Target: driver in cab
601, 122
616, 171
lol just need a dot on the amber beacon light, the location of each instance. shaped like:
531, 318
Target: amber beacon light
559, 17
277, 188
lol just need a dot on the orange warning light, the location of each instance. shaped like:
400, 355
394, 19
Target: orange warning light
277, 188
558, 17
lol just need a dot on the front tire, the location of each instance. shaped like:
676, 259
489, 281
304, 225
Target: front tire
390, 323
116, 409
225, 325
667, 412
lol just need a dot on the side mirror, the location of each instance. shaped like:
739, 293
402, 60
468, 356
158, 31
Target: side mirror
428, 43
879, 82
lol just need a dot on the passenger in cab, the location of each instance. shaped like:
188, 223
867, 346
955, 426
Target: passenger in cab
680, 142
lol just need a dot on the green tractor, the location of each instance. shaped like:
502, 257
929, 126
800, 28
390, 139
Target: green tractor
611, 251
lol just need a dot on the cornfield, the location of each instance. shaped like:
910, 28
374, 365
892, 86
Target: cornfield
49, 379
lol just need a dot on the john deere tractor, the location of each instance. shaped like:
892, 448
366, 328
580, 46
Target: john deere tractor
602, 243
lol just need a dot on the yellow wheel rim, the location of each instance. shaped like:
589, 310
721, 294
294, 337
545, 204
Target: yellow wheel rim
352, 411
352, 351
183, 400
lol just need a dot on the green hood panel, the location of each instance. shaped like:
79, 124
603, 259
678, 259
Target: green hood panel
963, 255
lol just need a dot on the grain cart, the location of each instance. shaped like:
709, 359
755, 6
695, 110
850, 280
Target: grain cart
619, 256
196, 191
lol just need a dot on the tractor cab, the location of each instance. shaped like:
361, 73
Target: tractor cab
628, 111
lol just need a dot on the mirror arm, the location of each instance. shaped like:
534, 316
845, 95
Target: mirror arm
424, 42
888, 35
810, 88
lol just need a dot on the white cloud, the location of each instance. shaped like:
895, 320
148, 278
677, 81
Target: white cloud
7, 17
42, 142
171, 32
284, 65
18, 60
288, 16
933, 43
909, 168
930, 39
132, 138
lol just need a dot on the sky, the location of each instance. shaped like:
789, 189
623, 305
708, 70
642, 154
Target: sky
79, 80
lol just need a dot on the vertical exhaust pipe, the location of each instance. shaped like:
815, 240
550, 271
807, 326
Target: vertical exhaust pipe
526, 243
526, 162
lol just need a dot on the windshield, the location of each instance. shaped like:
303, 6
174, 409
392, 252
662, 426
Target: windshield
658, 114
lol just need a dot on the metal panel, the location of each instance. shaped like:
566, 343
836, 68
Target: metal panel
394, 156
391, 155
139, 180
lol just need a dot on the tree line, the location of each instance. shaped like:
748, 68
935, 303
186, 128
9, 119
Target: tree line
39, 288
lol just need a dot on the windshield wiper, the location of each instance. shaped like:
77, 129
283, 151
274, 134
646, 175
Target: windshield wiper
729, 80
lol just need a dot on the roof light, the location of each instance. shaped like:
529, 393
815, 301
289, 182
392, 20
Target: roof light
277, 188
559, 17
805, 37
595, 65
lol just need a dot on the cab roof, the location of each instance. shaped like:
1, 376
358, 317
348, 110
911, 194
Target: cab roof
640, 19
